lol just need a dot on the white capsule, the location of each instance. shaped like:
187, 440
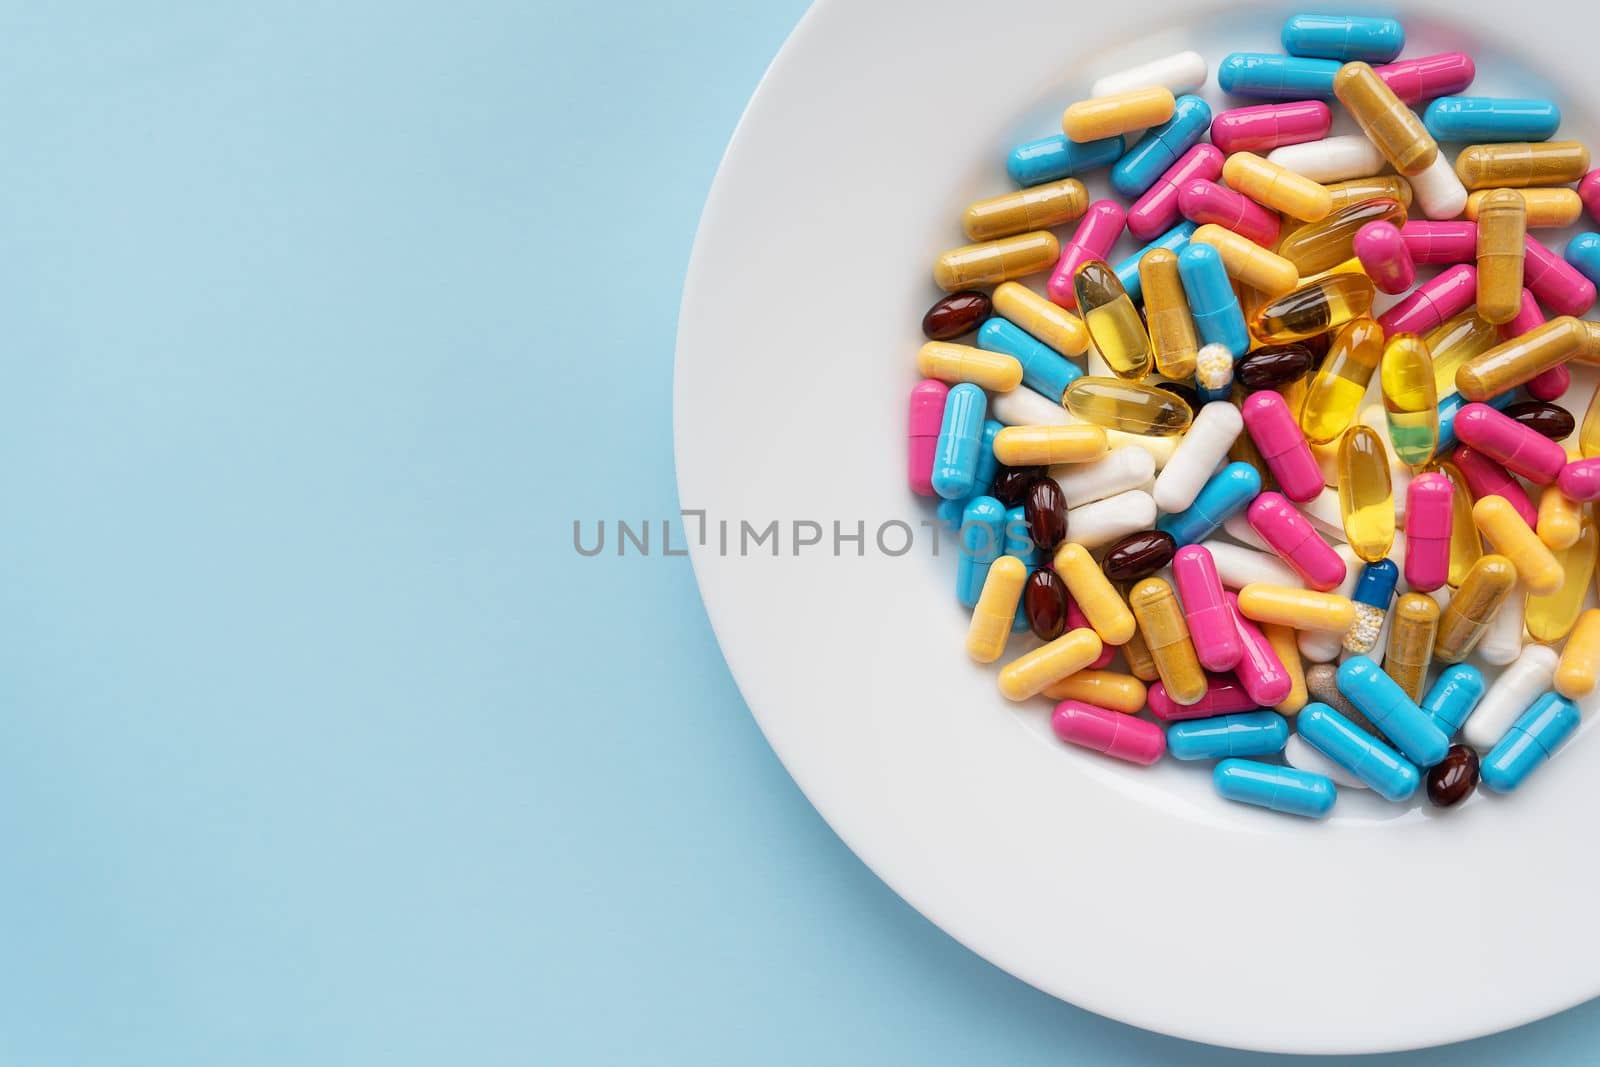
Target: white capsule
1502, 638
1181, 73
1439, 193
1327, 457
1332, 159
1122, 469
1322, 511
1382, 646
1205, 445
1238, 527
1518, 686
1238, 567
1097, 525
1319, 646
1024, 407
1299, 754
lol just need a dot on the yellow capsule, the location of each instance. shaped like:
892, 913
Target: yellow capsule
1388, 123
1521, 359
1140, 662
1545, 208
1589, 350
1366, 497
1409, 400
1502, 228
1166, 313
993, 262
1482, 592
1356, 190
996, 609
954, 363
1314, 308
1465, 545
1038, 208
1303, 609
1166, 635
1107, 116
1114, 324
1550, 618
1578, 670
1029, 673
1413, 624
1276, 187
1287, 647
1560, 519
1248, 262
1505, 529
1050, 323
1099, 600
1333, 398
1025, 446
1589, 432
1103, 689
1517, 166
1455, 341
1128, 406
1325, 245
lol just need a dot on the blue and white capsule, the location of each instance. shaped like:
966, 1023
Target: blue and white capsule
1373, 593
1245, 733
1175, 240
1388, 773
1343, 37
1212, 302
1531, 741
1380, 698
983, 539
1453, 696
1281, 789
1583, 253
1266, 76
1491, 119
1160, 148
1225, 495
1044, 370
1050, 159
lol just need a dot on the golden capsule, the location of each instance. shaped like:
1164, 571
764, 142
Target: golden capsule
1103, 689
1098, 599
1521, 359
1334, 395
1128, 406
1314, 308
1050, 323
1247, 262
1287, 647
996, 609
1303, 609
1166, 636
1550, 618
1325, 245
1357, 190
1589, 350
1589, 430
1455, 341
1409, 400
1026, 446
1544, 208
1114, 324
1276, 188
955, 363
1465, 546
1519, 165
1366, 497
1029, 673
1502, 228
993, 262
1140, 662
1041, 207
1560, 519
1107, 116
1388, 123
1482, 592
1413, 625
1511, 537
1166, 313
1578, 670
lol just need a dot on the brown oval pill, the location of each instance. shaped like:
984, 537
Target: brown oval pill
1183, 391
1044, 601
1012, 483
1044, 506
1450, 781
1139, 555
955, 315
1551, 420
1272, 367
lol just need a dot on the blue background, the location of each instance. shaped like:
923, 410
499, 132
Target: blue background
320, 744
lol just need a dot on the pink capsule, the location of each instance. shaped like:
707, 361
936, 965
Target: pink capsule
1556, 283
1263, 127
1441, 242
1427, 77
1431, 303
927, 415
1385, 258
1589, 193
1097, 232
1281, 443
1110, 732
1077, 620
1550, 385
1224, 695
1260, 671
1516, 447
1216, 639
1428, 519
1485, 477
1580, 480
1290, 535
1156, 212
1203, 201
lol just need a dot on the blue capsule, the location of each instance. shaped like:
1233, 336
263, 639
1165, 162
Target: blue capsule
1277, 788
1273, 77
1044, 370
1247, 733
1053, 158
1532, 740
1343, 37
983, 537
1391, 775
1017, 541
1222, 497
1486, 119
1212, 302
1375, 587
1159, 148
1174, 240
1453, 696
1452, 404
1380, 698
1583, 252
988, 468
955, 454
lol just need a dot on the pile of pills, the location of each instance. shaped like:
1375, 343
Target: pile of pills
1294, 578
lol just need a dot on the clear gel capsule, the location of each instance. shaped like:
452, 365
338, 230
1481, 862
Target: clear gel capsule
1409, 400
1366, 496
1114, 324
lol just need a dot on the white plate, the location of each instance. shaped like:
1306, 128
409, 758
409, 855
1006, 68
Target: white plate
1136, 893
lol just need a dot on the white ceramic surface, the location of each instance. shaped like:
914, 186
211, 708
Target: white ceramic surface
1134, 892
